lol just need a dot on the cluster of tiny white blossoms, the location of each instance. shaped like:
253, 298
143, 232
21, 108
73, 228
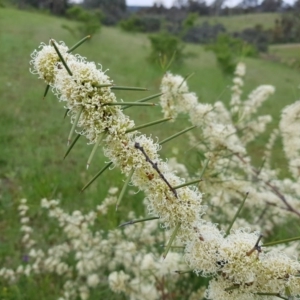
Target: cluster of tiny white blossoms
218, 130
244, 112
225, 147
234, 260
86, 99
289, 129
83, 258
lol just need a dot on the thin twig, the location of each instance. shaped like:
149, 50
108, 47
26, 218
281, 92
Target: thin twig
155, 167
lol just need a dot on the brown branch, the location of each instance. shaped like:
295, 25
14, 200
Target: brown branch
155, 167
273, 188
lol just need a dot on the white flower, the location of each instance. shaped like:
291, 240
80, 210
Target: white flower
118, 281
93, 280
240, 69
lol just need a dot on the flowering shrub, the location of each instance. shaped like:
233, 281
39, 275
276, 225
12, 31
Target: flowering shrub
237, 262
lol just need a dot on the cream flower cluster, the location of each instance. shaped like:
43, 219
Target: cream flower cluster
244, 112
85, 96
224, 144
289, 129
81, 255
242, 273
234, 260
244, 270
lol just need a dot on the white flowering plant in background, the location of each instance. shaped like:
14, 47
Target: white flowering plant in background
231, 254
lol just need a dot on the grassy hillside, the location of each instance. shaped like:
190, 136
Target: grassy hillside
33, 133
288, 54
241, 22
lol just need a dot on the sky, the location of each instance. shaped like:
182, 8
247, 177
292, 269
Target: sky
168, 3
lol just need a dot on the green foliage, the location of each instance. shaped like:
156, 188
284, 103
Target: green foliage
256, 36
113, 10
190, 21
287, 29
89, 21
42, 172
240, 22
165, 47
132, 24
285, 54
145, 23
204, 33
229, 50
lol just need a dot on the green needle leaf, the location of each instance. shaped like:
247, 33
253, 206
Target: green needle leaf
272, 294
236, 214
138, 221
144, 100
96, 176
74, 124
281, 242
176, 135
129, 103
171, 240
148, 124
61, 57
187, 183
128, 88
46, 91
204, 168
79, 43
66, 113
171, 61
72, 145
100, 139
124, 188
185, 79
288, 291
233, 287
103, 85
183, 272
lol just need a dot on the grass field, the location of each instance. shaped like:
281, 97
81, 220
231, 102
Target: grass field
288, 54
33, 133
241, 22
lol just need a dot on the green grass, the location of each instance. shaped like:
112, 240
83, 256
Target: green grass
33, 133
288, 54
241, 22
